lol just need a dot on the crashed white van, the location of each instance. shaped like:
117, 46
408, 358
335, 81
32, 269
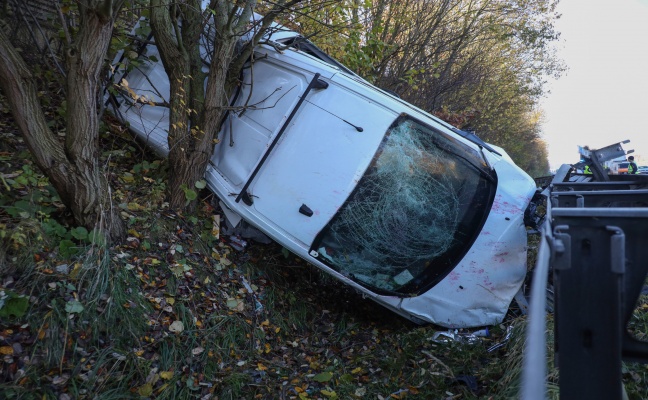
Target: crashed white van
423, 218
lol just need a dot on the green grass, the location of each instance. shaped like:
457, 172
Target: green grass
258, 324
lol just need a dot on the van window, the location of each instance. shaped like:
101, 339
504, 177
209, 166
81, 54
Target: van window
414, 214
302, 44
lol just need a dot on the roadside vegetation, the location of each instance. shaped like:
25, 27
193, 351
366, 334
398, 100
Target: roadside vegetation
176, 312
115, 281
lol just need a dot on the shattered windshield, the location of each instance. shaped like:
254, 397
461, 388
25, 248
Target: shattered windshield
414, 214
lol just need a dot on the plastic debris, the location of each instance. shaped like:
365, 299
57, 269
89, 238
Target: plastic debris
509, 331
461, 337
237, 243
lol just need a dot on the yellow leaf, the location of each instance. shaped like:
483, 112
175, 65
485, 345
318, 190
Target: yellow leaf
75, 271
6, 350
356, 370
128, 178
170, 300
145, 390
261, 367
166, 375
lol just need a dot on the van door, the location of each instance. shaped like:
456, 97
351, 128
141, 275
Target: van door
319, 160
267, 95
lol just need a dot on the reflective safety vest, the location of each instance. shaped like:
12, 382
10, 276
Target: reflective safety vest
631, 169
588, 170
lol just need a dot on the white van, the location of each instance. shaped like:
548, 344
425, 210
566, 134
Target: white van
423, 218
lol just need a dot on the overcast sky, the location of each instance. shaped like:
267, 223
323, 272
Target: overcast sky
603, 97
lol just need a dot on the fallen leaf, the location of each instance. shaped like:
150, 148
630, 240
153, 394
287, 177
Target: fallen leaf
134, 207
60, 379
235, 304
176, 327
197, 351
329, 393
73, 306
323, 376
13, 304
225, 262
166, 375
145, 390
6, 350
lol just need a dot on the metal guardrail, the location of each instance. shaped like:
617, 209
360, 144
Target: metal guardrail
594, 253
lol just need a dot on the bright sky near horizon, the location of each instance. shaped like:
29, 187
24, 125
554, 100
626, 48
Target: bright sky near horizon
603, 97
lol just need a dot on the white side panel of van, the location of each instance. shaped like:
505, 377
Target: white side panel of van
150, 123
248, 131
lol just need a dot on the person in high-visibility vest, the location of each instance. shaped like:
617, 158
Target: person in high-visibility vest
632, 167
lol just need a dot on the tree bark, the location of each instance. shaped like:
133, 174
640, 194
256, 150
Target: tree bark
195, 112
72, 167
178, 44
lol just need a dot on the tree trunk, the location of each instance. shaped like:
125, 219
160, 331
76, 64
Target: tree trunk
191, 143
72, 168
195, 113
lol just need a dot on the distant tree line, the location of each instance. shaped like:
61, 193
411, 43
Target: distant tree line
478, 64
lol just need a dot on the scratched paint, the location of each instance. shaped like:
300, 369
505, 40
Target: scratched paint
501, 206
